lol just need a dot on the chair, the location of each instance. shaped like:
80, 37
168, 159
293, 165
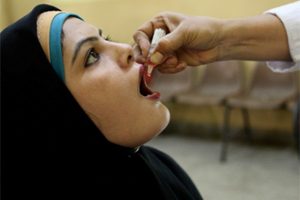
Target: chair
220, 80
268, 90
294, 106
171, 84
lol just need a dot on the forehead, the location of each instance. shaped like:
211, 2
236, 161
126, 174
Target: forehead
75, 29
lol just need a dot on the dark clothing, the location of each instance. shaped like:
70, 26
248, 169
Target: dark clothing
50, 147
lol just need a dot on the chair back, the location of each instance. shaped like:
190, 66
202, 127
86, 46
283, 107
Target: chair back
221, 78
171, 84
269, 85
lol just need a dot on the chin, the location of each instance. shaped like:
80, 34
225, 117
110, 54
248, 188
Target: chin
133, 136
165, 121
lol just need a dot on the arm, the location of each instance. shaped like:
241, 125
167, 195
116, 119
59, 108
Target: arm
289, 15
255, 38
193, 41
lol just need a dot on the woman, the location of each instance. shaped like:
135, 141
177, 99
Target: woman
75, 128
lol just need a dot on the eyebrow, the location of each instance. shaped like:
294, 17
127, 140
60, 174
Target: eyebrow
79, 45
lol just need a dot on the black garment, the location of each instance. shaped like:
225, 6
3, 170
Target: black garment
52, 150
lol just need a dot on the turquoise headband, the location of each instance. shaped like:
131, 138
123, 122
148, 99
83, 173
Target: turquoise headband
56, 57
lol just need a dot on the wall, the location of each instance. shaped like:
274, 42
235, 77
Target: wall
120, 18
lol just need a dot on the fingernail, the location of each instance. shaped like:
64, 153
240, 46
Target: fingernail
156, 58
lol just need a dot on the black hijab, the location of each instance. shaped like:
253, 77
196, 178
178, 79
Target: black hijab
50, 147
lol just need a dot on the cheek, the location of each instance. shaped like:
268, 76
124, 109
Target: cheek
99, 92
87, 86
138, 128
92, 93
111, 99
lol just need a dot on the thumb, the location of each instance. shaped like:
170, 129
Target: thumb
166, 46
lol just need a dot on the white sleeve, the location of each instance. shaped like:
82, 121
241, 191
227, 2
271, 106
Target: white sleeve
289, 14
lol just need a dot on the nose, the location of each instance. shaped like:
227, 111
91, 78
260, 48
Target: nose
123, 54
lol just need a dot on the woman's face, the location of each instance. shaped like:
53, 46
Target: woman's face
104, 78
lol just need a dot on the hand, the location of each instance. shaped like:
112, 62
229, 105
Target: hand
191, 41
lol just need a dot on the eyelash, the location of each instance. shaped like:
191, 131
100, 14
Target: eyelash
94, 53
108, 38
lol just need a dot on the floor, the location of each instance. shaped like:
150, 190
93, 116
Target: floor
256, 171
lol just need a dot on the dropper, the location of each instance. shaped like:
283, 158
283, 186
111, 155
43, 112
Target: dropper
158, 33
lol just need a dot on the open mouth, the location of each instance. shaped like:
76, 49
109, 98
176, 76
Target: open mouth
144, 88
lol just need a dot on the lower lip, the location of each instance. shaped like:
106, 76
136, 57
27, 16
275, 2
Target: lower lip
154, 96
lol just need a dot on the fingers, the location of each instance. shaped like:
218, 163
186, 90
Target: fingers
172, 65
143, 42
148, 27
173, 70
170, 43
144, 34
167, 46
138, 57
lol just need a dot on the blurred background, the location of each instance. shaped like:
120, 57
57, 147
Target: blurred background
234, 125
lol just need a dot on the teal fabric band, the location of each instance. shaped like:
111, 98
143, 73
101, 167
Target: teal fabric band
56, 57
